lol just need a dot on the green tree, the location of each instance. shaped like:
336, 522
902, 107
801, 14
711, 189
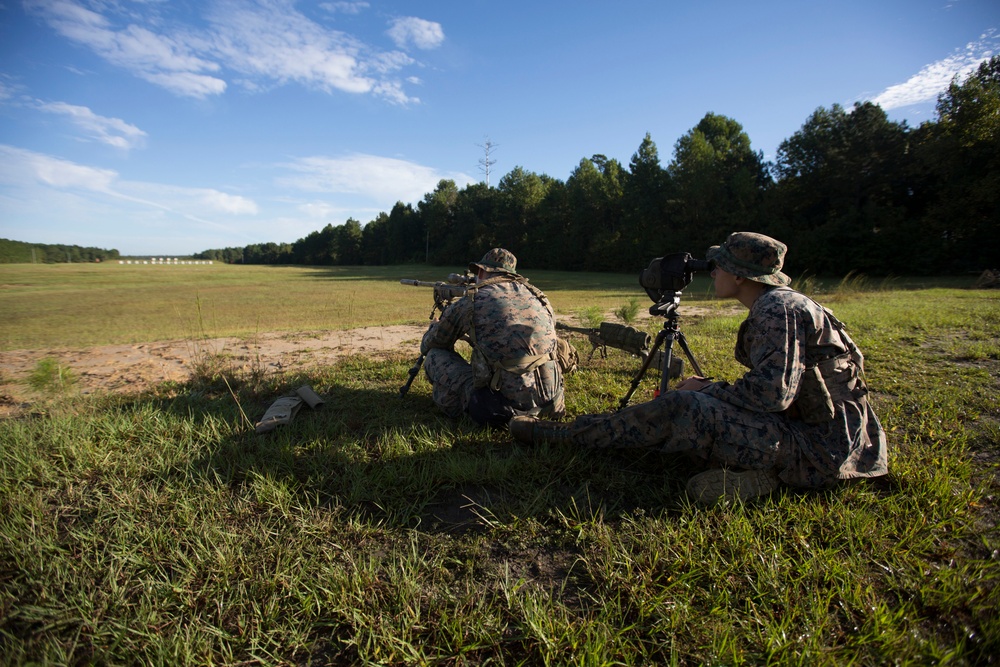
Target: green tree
594, 218
477, 209
958, 173
374, 241
520, 196
842, 189
718, 185
644, 208
348, 238
445, 238
405, 237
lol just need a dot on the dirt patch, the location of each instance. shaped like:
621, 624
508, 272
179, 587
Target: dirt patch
132, 368
139, 366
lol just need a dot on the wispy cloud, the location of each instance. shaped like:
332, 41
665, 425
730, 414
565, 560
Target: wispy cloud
272, 42
6, 91
323, 211
256, 43
111, 131
933, 79
23, 168
382, 179
345, 7
164, 60
418, 32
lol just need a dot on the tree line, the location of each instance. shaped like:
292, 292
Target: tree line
19, 252
851, 190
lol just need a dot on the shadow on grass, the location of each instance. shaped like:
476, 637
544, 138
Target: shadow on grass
374, 457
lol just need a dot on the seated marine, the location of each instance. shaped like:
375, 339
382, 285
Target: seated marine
798, 416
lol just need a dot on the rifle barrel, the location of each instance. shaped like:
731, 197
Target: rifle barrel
566, 327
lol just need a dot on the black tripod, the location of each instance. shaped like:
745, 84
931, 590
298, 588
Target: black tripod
666, 308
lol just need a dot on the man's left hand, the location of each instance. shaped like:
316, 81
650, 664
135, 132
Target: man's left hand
693, 383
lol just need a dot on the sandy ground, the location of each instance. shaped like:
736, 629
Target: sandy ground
130, 368
134, 367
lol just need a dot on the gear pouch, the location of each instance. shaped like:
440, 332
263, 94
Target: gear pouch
814, 401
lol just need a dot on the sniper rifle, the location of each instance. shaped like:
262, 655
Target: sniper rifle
618, 336
625, 338
445, 292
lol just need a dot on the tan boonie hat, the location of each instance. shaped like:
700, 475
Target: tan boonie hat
752, 256
496, 259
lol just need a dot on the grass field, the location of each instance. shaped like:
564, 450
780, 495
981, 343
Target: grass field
156, 528
94, 304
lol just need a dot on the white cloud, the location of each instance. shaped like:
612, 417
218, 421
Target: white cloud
419, 32
933, 79
222, 202
275, 42
112, 131
321, 211
23, 168
345, 7
257, 43
381, 179
187, 84
164, 60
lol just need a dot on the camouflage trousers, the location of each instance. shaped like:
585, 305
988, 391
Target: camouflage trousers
700, 425
451, 380
454, 392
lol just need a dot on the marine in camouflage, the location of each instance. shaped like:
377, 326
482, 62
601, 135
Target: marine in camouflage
752, 423
763, 420
512, 328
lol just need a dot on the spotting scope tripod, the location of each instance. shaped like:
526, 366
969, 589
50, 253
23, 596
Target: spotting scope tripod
666, 308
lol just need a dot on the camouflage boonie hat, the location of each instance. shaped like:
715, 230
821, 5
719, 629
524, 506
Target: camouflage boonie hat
496, 259
752, 256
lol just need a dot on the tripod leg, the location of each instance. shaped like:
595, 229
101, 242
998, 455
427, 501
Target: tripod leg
668, 355
687, 352
642, 370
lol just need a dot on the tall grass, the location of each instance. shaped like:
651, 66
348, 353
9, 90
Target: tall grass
157, 528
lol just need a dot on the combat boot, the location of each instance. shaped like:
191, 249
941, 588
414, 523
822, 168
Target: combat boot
533, 430
721, 485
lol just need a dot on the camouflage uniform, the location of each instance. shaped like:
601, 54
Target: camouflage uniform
766, 419
513, 370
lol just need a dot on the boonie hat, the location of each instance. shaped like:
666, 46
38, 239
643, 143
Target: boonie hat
752, 256
496, 259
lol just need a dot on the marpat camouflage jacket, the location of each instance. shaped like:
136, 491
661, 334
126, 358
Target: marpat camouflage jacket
784, 333
508, 320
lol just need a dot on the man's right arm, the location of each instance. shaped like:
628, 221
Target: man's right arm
454, 323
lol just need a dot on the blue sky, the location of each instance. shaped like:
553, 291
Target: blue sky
167, 127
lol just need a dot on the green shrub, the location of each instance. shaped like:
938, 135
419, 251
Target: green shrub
51, 377
591, 316
628, 311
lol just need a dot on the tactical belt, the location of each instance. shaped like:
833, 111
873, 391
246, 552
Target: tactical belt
519, 366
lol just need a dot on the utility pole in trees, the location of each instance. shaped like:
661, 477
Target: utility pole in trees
485, 162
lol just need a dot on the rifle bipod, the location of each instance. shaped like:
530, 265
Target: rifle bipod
413, 375
668, 334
